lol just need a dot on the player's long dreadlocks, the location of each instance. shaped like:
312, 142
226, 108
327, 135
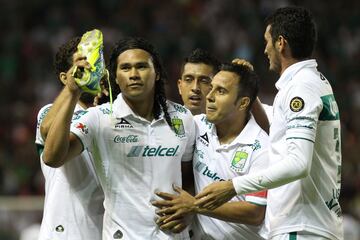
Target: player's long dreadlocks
140, 43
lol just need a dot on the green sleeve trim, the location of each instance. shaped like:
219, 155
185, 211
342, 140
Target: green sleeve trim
330, 111
300, 138
302, 118
299, 126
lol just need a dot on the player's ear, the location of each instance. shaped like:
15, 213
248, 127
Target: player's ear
281, 43
62, 77
179, 85
244, 103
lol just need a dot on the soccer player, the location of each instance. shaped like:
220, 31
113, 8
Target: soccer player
197, 72
141, 144
305, 144
73, 207
229, 143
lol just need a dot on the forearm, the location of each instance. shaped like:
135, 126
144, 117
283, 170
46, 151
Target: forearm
295, 166
57, 141
238, 212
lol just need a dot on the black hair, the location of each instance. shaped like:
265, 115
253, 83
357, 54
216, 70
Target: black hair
64, 60
248, 85
296, 25
202, 56
64, 56
140, 43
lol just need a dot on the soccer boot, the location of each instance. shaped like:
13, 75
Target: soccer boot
91, 46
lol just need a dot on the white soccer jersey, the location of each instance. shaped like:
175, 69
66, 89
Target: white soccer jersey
133, 159
73, 207
305, 108
214, 162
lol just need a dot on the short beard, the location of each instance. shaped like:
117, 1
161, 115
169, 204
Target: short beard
277, 64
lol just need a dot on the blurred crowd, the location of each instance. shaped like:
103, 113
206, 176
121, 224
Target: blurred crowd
32, 31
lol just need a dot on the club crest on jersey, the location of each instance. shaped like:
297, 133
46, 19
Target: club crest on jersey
123, 124
178, 127
204, 139
84, 129
297, 104
239, 160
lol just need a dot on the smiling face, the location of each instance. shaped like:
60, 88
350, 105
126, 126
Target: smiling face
271, 52
222, 101
194, 85
135, 74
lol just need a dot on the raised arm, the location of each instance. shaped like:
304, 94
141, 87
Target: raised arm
60, 144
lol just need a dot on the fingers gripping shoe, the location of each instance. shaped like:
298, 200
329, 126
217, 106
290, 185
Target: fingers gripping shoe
91, 46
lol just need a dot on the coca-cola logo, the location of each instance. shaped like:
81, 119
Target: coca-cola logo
126, 139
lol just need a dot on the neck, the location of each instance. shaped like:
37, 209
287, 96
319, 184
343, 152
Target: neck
196, 112
287, 62
227, 131
142, 108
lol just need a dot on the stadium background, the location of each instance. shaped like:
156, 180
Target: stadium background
32, 30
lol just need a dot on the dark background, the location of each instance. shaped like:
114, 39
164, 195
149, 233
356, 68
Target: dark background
32, 30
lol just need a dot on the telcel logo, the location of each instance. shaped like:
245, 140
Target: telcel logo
147, 151
127, 139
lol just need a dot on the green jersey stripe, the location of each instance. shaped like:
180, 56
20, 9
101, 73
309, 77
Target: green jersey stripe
330, 111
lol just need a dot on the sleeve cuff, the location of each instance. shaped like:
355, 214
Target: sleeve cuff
256, 200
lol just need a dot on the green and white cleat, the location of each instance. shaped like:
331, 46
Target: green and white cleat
91, 46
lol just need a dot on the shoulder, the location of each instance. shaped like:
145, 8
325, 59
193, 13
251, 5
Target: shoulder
43, 111
307, 79
175, 108
202, 122
101, 110
177, 111
260, 137
306, 87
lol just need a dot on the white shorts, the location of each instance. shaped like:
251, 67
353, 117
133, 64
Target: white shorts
298, 236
